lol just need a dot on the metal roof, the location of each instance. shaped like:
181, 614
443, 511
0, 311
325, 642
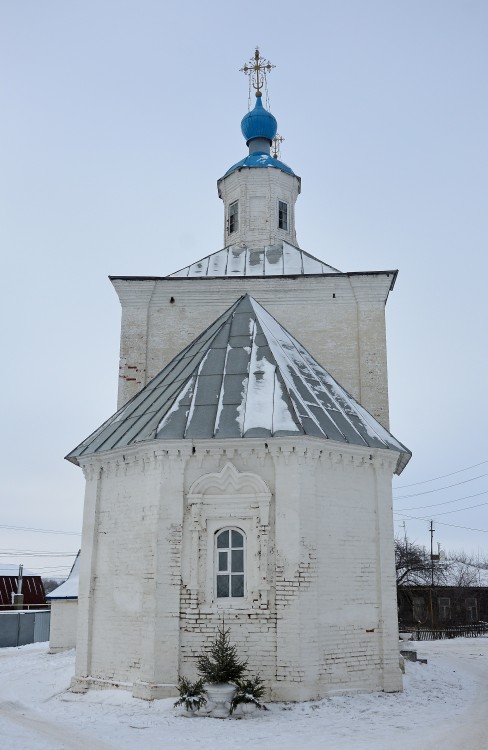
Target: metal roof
244, 377
68, 589
32, 589
281, 259
259, 123
260, 160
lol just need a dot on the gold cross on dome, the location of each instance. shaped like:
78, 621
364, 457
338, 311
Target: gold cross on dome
276, 147
256, 69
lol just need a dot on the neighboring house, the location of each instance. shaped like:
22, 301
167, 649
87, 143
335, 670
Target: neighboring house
26, 621
32, 588
442, 605
64, 611
459, 597
239, 480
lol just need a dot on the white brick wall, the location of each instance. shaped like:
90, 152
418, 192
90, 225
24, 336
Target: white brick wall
317, 517
258, 192
64, 613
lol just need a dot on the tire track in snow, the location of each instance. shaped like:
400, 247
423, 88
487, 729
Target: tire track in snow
472, 727
62, 734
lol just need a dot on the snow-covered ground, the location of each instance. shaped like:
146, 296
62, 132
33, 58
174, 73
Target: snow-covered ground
444, 705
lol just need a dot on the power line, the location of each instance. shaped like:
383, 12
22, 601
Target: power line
443, 523
442, 476
447, 486
42, 531
56, 567
458, 510
31, 553
446, 502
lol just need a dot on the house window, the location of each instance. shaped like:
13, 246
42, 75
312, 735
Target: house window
283, 215
444, 608
419, 612
229, 559
234, 217
471, 609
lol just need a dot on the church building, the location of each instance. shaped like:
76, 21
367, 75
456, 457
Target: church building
247, 472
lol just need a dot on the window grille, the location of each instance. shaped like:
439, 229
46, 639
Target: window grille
229, 559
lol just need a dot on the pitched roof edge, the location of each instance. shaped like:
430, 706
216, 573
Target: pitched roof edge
393, 273
168, 444
134, 422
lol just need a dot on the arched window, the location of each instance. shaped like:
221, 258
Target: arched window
229, 563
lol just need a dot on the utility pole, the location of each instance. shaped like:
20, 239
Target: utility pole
431, 573
432, 552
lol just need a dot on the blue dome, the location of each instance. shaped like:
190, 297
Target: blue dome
260, 159
259, 123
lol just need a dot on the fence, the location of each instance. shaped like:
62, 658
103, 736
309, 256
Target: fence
17, 628
453, 631
8, 607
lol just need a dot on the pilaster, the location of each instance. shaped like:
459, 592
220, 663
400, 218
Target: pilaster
386, 581
161, 600
88, 573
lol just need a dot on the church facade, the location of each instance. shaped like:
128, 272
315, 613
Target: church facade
247, 473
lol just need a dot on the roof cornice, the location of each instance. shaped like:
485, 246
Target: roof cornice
346, 274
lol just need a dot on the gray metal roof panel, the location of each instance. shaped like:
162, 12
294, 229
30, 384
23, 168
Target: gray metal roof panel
280, 259
245, 376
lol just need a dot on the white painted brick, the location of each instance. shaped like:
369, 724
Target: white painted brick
144, 619
345, 332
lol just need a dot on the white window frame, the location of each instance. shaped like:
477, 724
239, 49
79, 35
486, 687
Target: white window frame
471, 605
246, 525
419, 609
228, 572
444, 603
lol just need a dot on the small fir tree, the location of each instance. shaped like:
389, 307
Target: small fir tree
249, 691
222, 663
192, 694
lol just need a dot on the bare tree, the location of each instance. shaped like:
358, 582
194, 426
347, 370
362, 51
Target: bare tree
466, 569
412, 562
414, 567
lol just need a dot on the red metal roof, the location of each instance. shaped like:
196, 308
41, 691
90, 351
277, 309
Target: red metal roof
32, 589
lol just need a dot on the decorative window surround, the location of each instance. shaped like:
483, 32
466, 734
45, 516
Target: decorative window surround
236, 499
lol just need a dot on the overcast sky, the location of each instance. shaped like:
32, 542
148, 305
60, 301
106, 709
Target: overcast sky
118, 117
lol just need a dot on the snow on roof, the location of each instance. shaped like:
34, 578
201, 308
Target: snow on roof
281, 259
13, 570
244, 377
260, 159
68, 589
